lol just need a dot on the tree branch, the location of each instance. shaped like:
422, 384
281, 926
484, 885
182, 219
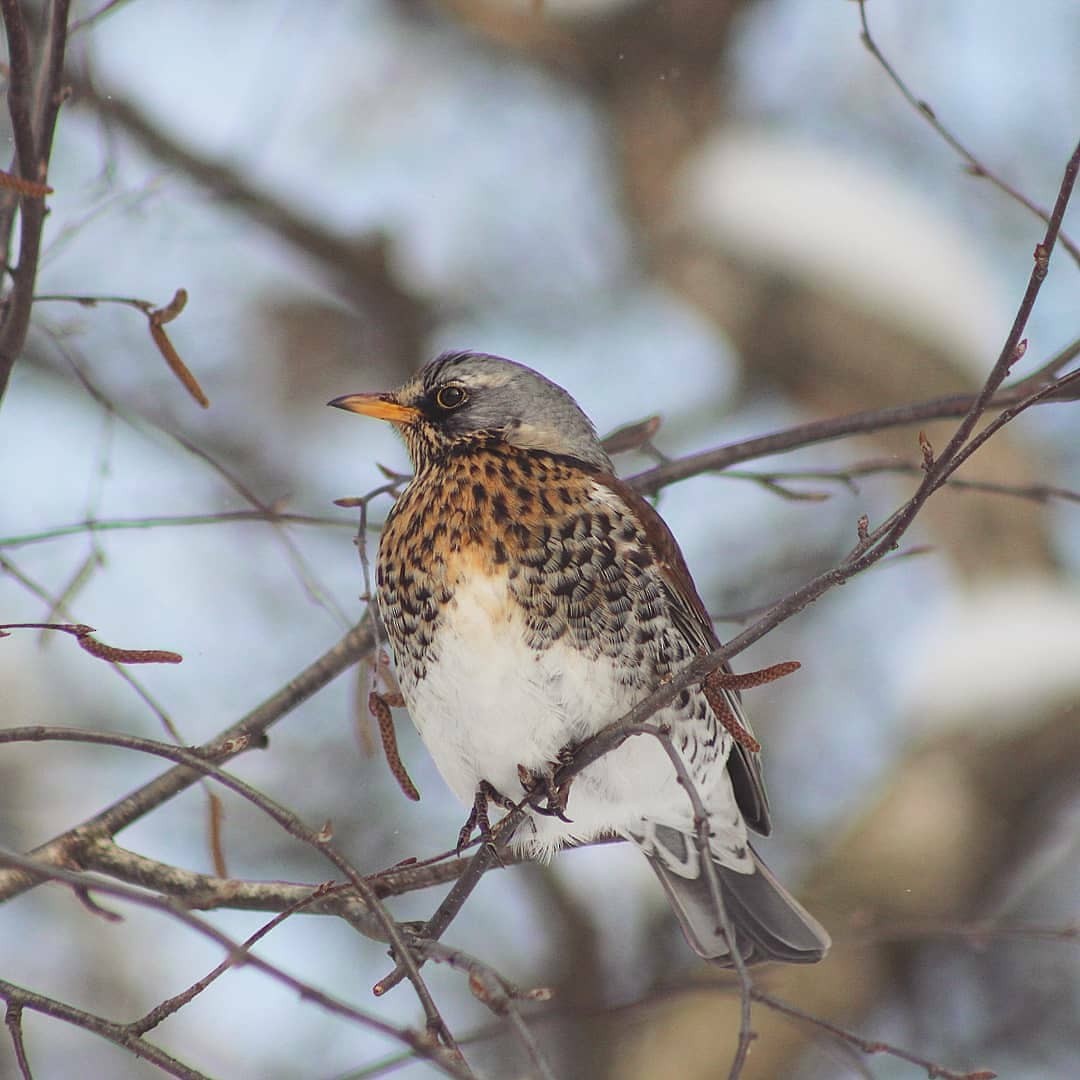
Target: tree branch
447, 1060
952, 406
34, 106
246, 733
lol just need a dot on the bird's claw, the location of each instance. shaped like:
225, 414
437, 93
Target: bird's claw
478, 816
543, 781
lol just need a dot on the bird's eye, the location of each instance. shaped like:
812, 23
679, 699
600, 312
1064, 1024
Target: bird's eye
451, 397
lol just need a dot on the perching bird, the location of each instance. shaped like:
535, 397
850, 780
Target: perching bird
530, 599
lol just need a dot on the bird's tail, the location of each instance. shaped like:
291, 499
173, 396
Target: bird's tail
769, 923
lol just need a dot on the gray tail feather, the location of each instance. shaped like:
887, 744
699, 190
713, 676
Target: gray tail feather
769, 923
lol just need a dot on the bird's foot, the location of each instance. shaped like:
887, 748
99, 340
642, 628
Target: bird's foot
478, 819
543, 781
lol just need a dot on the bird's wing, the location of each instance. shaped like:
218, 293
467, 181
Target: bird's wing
691, 617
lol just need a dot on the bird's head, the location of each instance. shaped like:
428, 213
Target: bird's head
464, 398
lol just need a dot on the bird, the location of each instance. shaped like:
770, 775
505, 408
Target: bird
530, 598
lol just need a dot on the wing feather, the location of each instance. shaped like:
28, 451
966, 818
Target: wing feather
691, 618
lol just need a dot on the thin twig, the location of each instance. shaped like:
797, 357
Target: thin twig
702, 832
318, 593
871, 1046
486, 857
847, 475
246, 733
57, 607
975, 165
162, 1011
949, 407
94, 525
285, 818
445, 1059
18, 997
497, 993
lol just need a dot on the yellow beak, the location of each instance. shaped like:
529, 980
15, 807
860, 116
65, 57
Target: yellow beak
381, 406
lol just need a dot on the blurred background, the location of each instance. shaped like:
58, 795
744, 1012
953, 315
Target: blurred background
715, 210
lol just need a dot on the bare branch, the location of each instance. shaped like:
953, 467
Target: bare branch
708, 868
952, 406
246, 733
445, 1059
870, 1046
33, 104
975, 166
18, 998
169, 521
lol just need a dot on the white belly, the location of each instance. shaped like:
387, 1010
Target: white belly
490, 703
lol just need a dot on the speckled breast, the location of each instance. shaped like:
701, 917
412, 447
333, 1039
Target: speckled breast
573, 558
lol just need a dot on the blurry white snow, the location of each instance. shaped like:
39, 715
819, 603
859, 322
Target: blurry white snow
809, 211
995, 657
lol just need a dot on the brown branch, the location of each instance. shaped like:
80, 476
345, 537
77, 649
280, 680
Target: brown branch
285, 818
950, 407
18, 998
497, 993
13, 1022
156, 318
246, 733
163, 1010
33, 103
205, 892
445, 1059
485, 858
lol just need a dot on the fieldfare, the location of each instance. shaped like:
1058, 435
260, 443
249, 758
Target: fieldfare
531, 598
